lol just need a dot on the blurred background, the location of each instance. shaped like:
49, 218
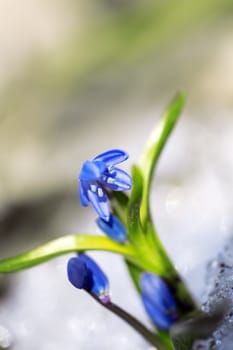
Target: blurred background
78, 78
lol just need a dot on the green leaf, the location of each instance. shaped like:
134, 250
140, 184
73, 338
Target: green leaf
142, 239
119, 197
154, 148
76, 243
119, 201
133, 213
64, 245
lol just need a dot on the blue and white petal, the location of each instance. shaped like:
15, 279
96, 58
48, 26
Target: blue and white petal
101, 172
112, 157
99, 200
117, 180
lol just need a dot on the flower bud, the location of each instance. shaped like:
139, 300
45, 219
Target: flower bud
158, 301
84, 273
113, 228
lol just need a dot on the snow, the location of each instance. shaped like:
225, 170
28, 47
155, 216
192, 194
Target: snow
192, 205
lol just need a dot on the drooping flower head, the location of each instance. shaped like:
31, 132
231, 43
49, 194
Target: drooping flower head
158, 301
84, 273
101, 173
113, 228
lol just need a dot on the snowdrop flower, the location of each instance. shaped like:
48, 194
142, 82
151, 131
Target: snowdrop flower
100, 173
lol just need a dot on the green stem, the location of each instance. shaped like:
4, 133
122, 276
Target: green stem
165, 336
172, 277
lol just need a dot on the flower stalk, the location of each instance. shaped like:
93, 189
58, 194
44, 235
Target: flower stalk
147, 334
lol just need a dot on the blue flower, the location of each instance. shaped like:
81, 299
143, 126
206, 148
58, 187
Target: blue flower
101, 173
84, 273
158, 301
113, 228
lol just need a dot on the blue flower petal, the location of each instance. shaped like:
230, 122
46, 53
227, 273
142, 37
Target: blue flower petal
157, 291
99, 201
113, 228
117, 180
99, 172
91, 171
100, 284
82, 195
112, 157
160, 319
158, 300
77, 272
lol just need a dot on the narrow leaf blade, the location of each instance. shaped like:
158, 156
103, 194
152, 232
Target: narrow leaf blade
63, 245
154, 148
133, 213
